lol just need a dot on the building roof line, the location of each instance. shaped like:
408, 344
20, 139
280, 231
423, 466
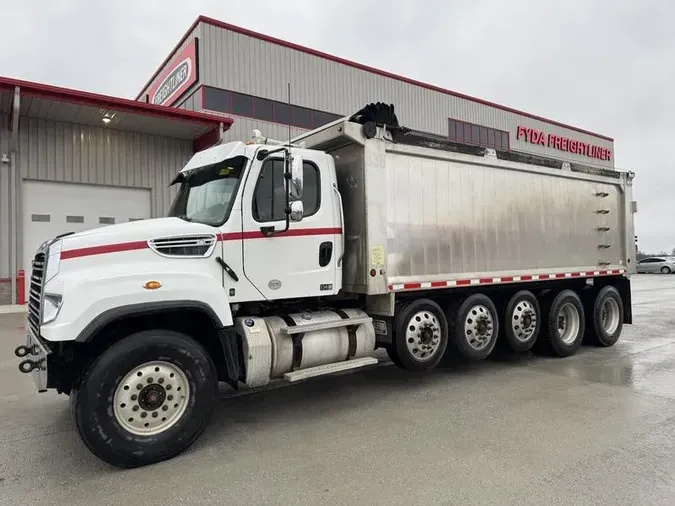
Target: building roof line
366, 68
114, 103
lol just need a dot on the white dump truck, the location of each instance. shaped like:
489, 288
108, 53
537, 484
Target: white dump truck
281, 261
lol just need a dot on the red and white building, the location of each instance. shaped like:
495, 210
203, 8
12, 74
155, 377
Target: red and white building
72, 160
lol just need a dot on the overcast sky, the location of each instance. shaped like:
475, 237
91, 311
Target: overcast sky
607, 66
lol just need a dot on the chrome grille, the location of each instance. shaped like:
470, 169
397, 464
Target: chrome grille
35, 293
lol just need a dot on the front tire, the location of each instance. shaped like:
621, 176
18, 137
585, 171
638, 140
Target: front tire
420, 337
145, 399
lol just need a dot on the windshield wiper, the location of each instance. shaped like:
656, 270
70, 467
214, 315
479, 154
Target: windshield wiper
184, 217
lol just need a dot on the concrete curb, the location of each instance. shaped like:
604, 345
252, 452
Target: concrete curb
16, 309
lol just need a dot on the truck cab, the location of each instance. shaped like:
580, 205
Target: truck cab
243, 191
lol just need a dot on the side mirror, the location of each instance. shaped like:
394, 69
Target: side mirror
296, 182
297, 210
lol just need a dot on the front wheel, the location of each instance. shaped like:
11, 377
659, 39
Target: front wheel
145, 399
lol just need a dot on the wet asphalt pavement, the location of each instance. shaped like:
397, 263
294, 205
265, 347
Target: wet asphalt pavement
597, 428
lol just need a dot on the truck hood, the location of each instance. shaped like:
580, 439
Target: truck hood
135, 231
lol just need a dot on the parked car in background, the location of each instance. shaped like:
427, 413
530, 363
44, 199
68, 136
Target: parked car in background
664, 265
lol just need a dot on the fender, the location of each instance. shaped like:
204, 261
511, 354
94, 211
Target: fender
144, 308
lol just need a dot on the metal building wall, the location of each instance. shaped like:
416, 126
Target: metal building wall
66, 152
5, 286
226, 61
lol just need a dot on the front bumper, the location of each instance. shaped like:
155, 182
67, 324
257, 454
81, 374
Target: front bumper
34, 362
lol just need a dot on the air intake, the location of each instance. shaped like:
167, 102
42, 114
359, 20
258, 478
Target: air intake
196, 246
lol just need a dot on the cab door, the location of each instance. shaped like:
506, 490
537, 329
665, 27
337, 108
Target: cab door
301, 261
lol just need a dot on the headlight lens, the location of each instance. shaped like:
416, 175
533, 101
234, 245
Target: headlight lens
51, 307
53, 261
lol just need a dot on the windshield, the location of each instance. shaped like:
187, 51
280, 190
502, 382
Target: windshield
206, 194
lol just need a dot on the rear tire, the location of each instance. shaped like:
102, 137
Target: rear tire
474, 326
605, 323
563, 331
521, 321
420, 336
665, 270
146, 399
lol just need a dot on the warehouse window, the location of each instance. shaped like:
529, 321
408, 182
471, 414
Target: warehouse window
468, 133
282, 113
302, 117
269, 198
242, 105
217, 100
39, 217
264, 109
74, 219
106, 220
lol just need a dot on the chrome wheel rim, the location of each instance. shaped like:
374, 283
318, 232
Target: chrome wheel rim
523, 321
568, 323
479, 327
423, 336
151, 398
610, 315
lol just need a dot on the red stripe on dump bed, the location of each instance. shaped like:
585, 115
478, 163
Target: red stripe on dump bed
232, 236
506, 279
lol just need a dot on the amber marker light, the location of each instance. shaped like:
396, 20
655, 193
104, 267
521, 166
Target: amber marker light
152, 285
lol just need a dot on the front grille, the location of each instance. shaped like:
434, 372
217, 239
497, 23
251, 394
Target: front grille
35, 293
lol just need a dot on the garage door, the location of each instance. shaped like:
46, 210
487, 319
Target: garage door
50, 209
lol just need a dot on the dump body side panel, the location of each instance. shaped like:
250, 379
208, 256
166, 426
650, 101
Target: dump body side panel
449, 216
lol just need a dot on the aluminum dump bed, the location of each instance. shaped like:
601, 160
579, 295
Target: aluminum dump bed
421, 214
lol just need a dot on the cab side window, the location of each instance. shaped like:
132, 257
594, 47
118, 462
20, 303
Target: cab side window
269, 197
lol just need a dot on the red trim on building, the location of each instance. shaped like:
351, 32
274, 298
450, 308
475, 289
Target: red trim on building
366, 68
5, 281
107, 102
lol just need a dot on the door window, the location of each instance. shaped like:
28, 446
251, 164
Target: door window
269, 198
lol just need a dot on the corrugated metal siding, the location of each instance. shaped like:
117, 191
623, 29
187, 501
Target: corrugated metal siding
225, 62
193, 100
4, 198
53, 151
195, 33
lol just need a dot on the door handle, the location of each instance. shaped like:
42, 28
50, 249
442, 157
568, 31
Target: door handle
325, 253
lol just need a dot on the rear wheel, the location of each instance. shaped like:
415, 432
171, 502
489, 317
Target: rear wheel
605, 322
420, 336
520, 326
665, 270
563, 331
474, 326
145, 399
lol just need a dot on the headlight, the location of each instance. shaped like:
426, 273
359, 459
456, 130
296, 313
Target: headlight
51, 307
53, 261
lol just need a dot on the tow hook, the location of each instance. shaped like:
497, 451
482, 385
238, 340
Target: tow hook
29, 365
22, 351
